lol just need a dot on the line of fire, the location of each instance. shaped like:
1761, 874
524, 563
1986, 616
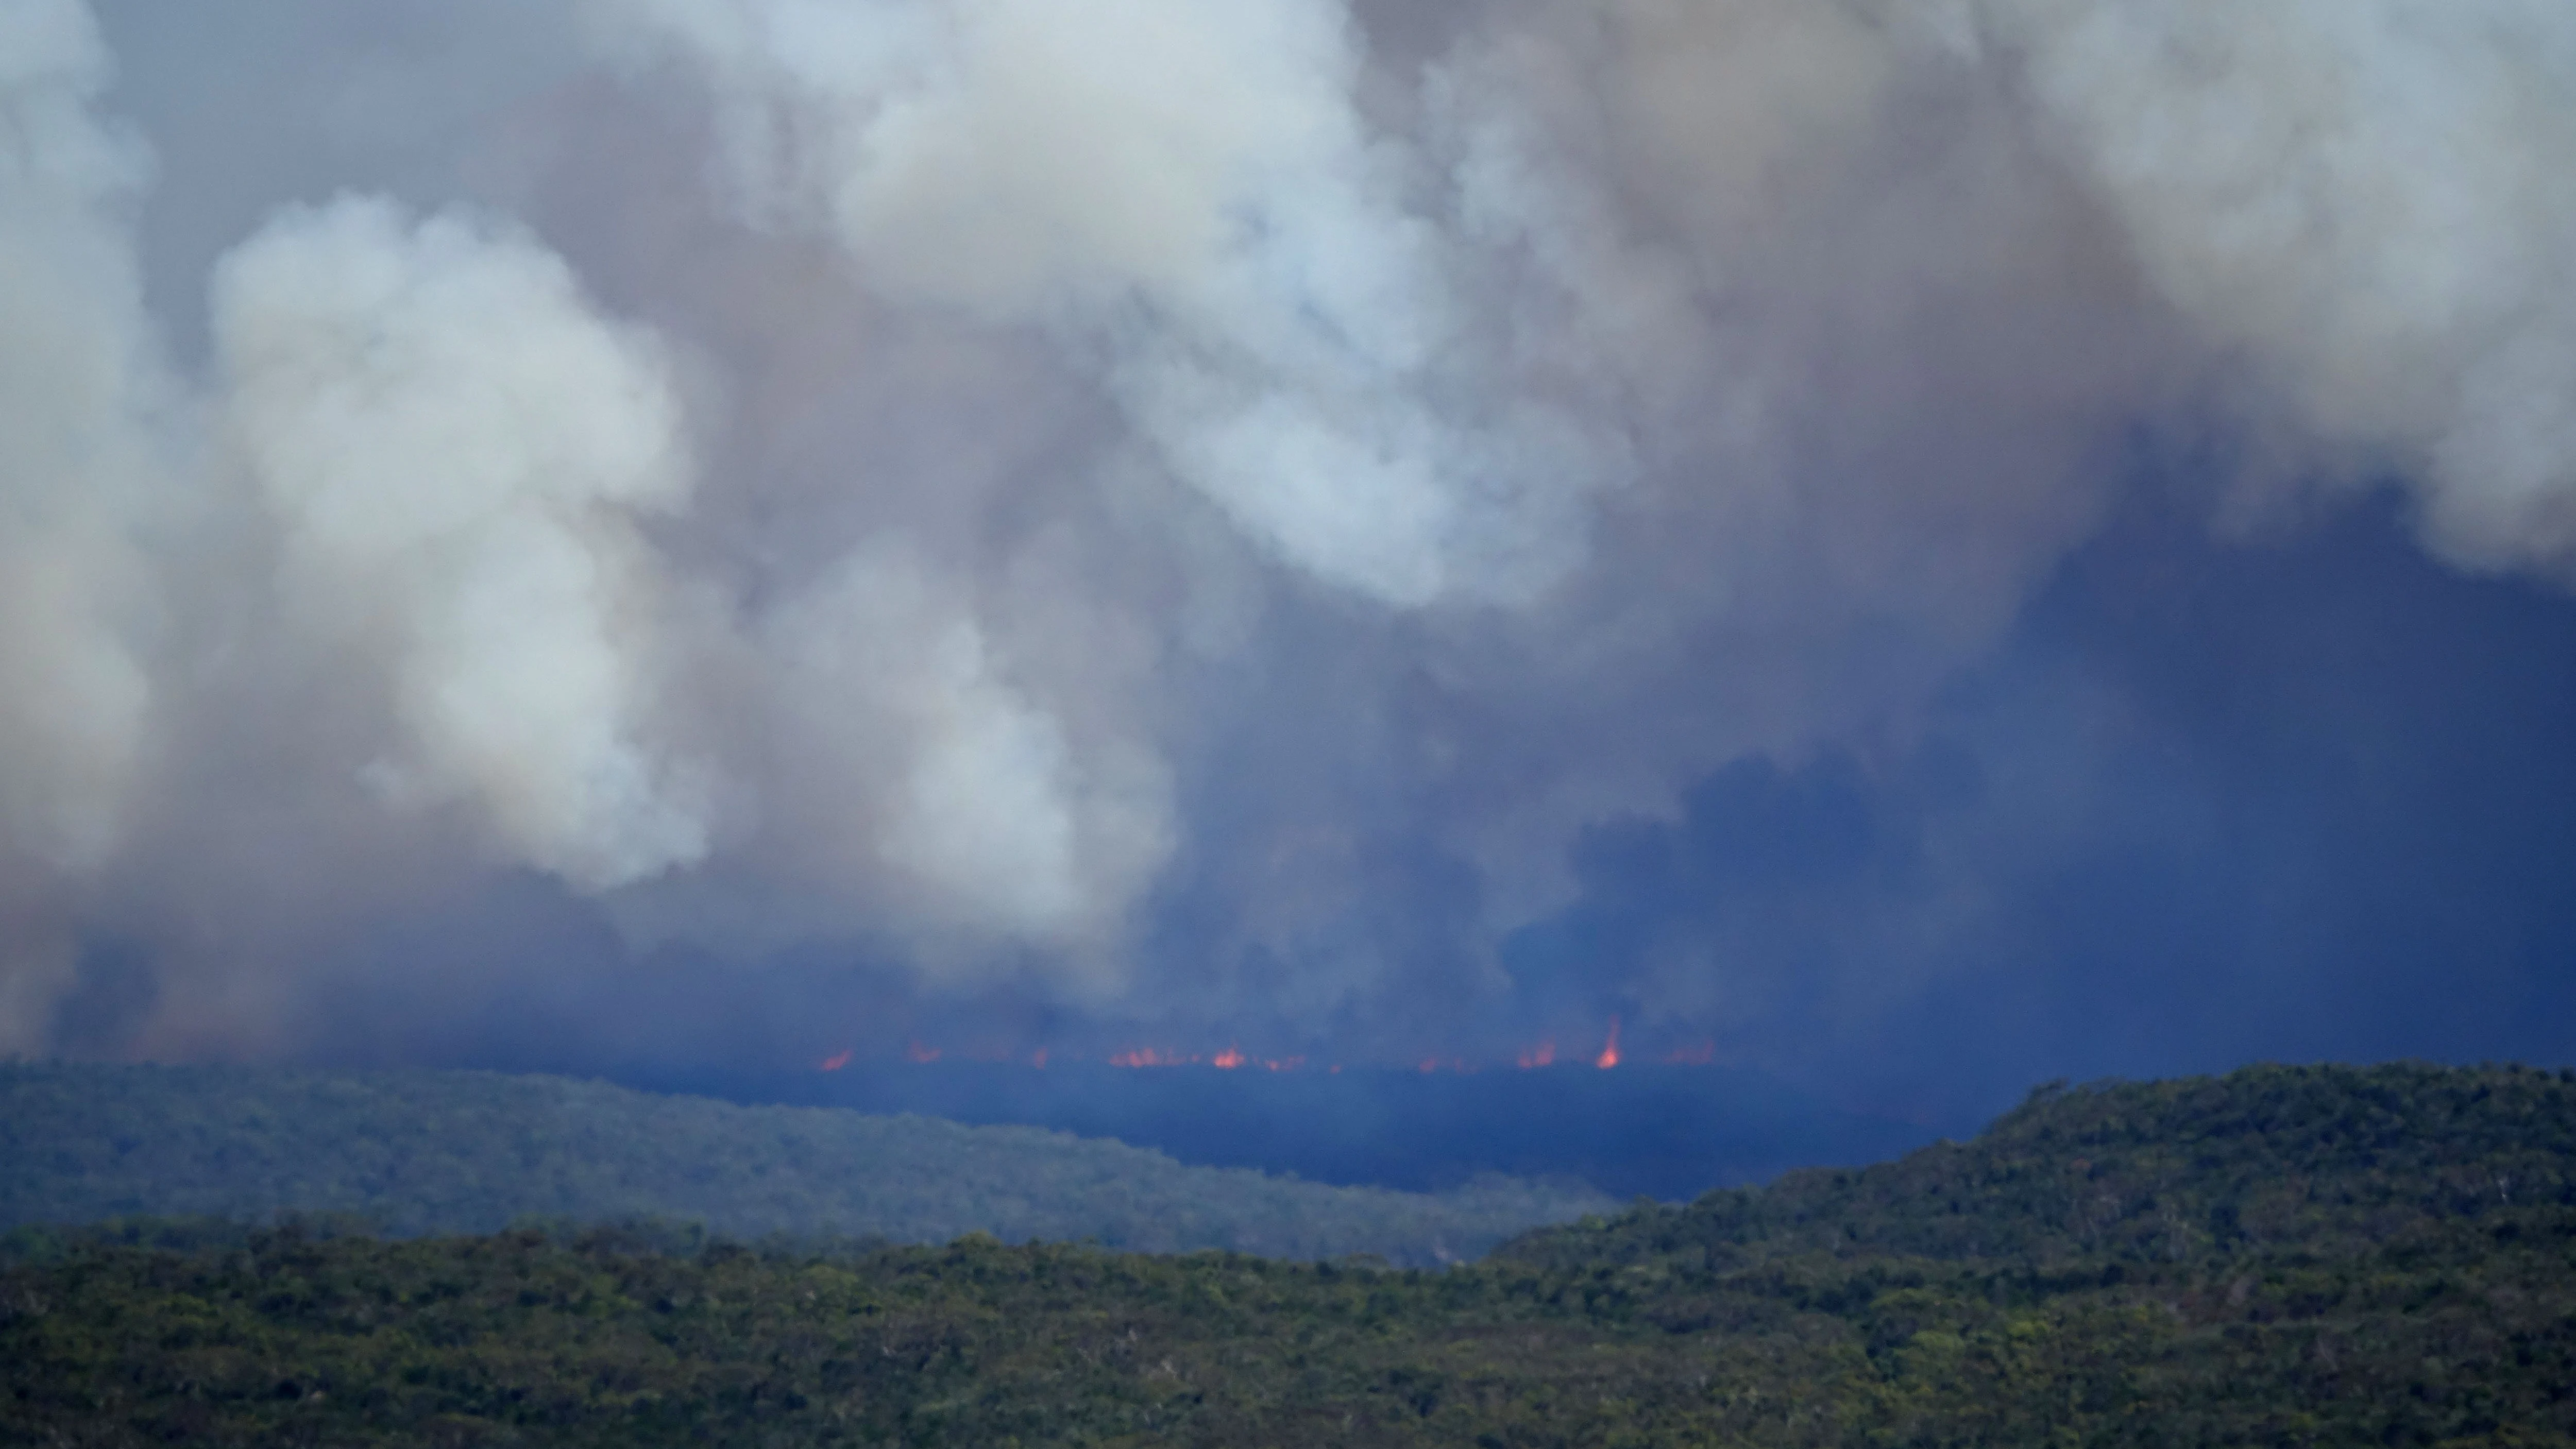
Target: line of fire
1543, 1054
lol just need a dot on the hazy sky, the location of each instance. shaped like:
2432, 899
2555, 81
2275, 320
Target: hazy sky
1912, 546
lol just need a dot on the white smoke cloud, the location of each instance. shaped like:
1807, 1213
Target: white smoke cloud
2370, 203
457, 449
82, 454
919, 768
1188, 189
79, 390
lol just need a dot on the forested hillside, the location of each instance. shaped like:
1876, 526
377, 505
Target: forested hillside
2270, 1159
2284, 1256
464, 1152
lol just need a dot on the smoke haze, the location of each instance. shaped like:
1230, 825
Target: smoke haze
619, 530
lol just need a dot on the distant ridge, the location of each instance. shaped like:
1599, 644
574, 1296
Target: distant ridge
460, 1152
1663, 1131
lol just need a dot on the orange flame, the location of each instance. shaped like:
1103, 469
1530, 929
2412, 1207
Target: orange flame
1229, 1059
835, 1061
1284, 1064
1544, 1054
919, 1053
1610, 1050
1149, 1057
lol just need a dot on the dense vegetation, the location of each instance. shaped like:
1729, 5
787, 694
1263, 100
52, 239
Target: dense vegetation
467, 1152
2284, 1256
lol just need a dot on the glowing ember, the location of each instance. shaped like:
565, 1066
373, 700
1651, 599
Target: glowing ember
1229, 1059
1544, 1054
1148, 1057
1286, 1064
835, 1061
1610, 1050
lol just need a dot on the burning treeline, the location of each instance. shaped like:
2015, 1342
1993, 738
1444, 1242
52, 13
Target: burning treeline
1543, 1054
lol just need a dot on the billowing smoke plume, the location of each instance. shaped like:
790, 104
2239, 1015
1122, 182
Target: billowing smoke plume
81, 398
457, 451
1219, 228
2361, 206
1203, 501
991, 823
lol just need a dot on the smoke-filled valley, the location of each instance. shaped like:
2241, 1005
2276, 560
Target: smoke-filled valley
1877, 552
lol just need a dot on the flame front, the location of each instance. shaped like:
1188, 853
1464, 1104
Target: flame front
1234, 1058
1230, 1059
